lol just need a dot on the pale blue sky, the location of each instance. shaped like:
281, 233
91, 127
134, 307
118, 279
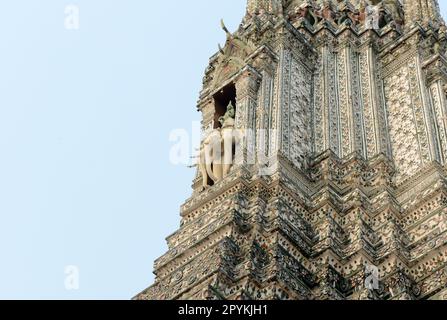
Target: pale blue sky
85, 117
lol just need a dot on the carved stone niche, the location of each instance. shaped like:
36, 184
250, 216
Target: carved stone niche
218, 148
222, 100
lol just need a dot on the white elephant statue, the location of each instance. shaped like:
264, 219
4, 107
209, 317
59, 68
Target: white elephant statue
218, 149
211, 157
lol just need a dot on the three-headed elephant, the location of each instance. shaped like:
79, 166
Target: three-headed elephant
217, 154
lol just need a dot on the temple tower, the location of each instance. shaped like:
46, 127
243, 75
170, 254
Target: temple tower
322, 169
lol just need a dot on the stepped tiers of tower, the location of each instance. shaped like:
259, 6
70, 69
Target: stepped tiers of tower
337, 186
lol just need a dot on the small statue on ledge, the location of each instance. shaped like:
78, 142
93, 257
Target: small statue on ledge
227, 120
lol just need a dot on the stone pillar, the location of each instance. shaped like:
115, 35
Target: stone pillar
266, 63
428, 112
374, 115
321, 112
330, 55
247, 84
438, 101
347, 113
